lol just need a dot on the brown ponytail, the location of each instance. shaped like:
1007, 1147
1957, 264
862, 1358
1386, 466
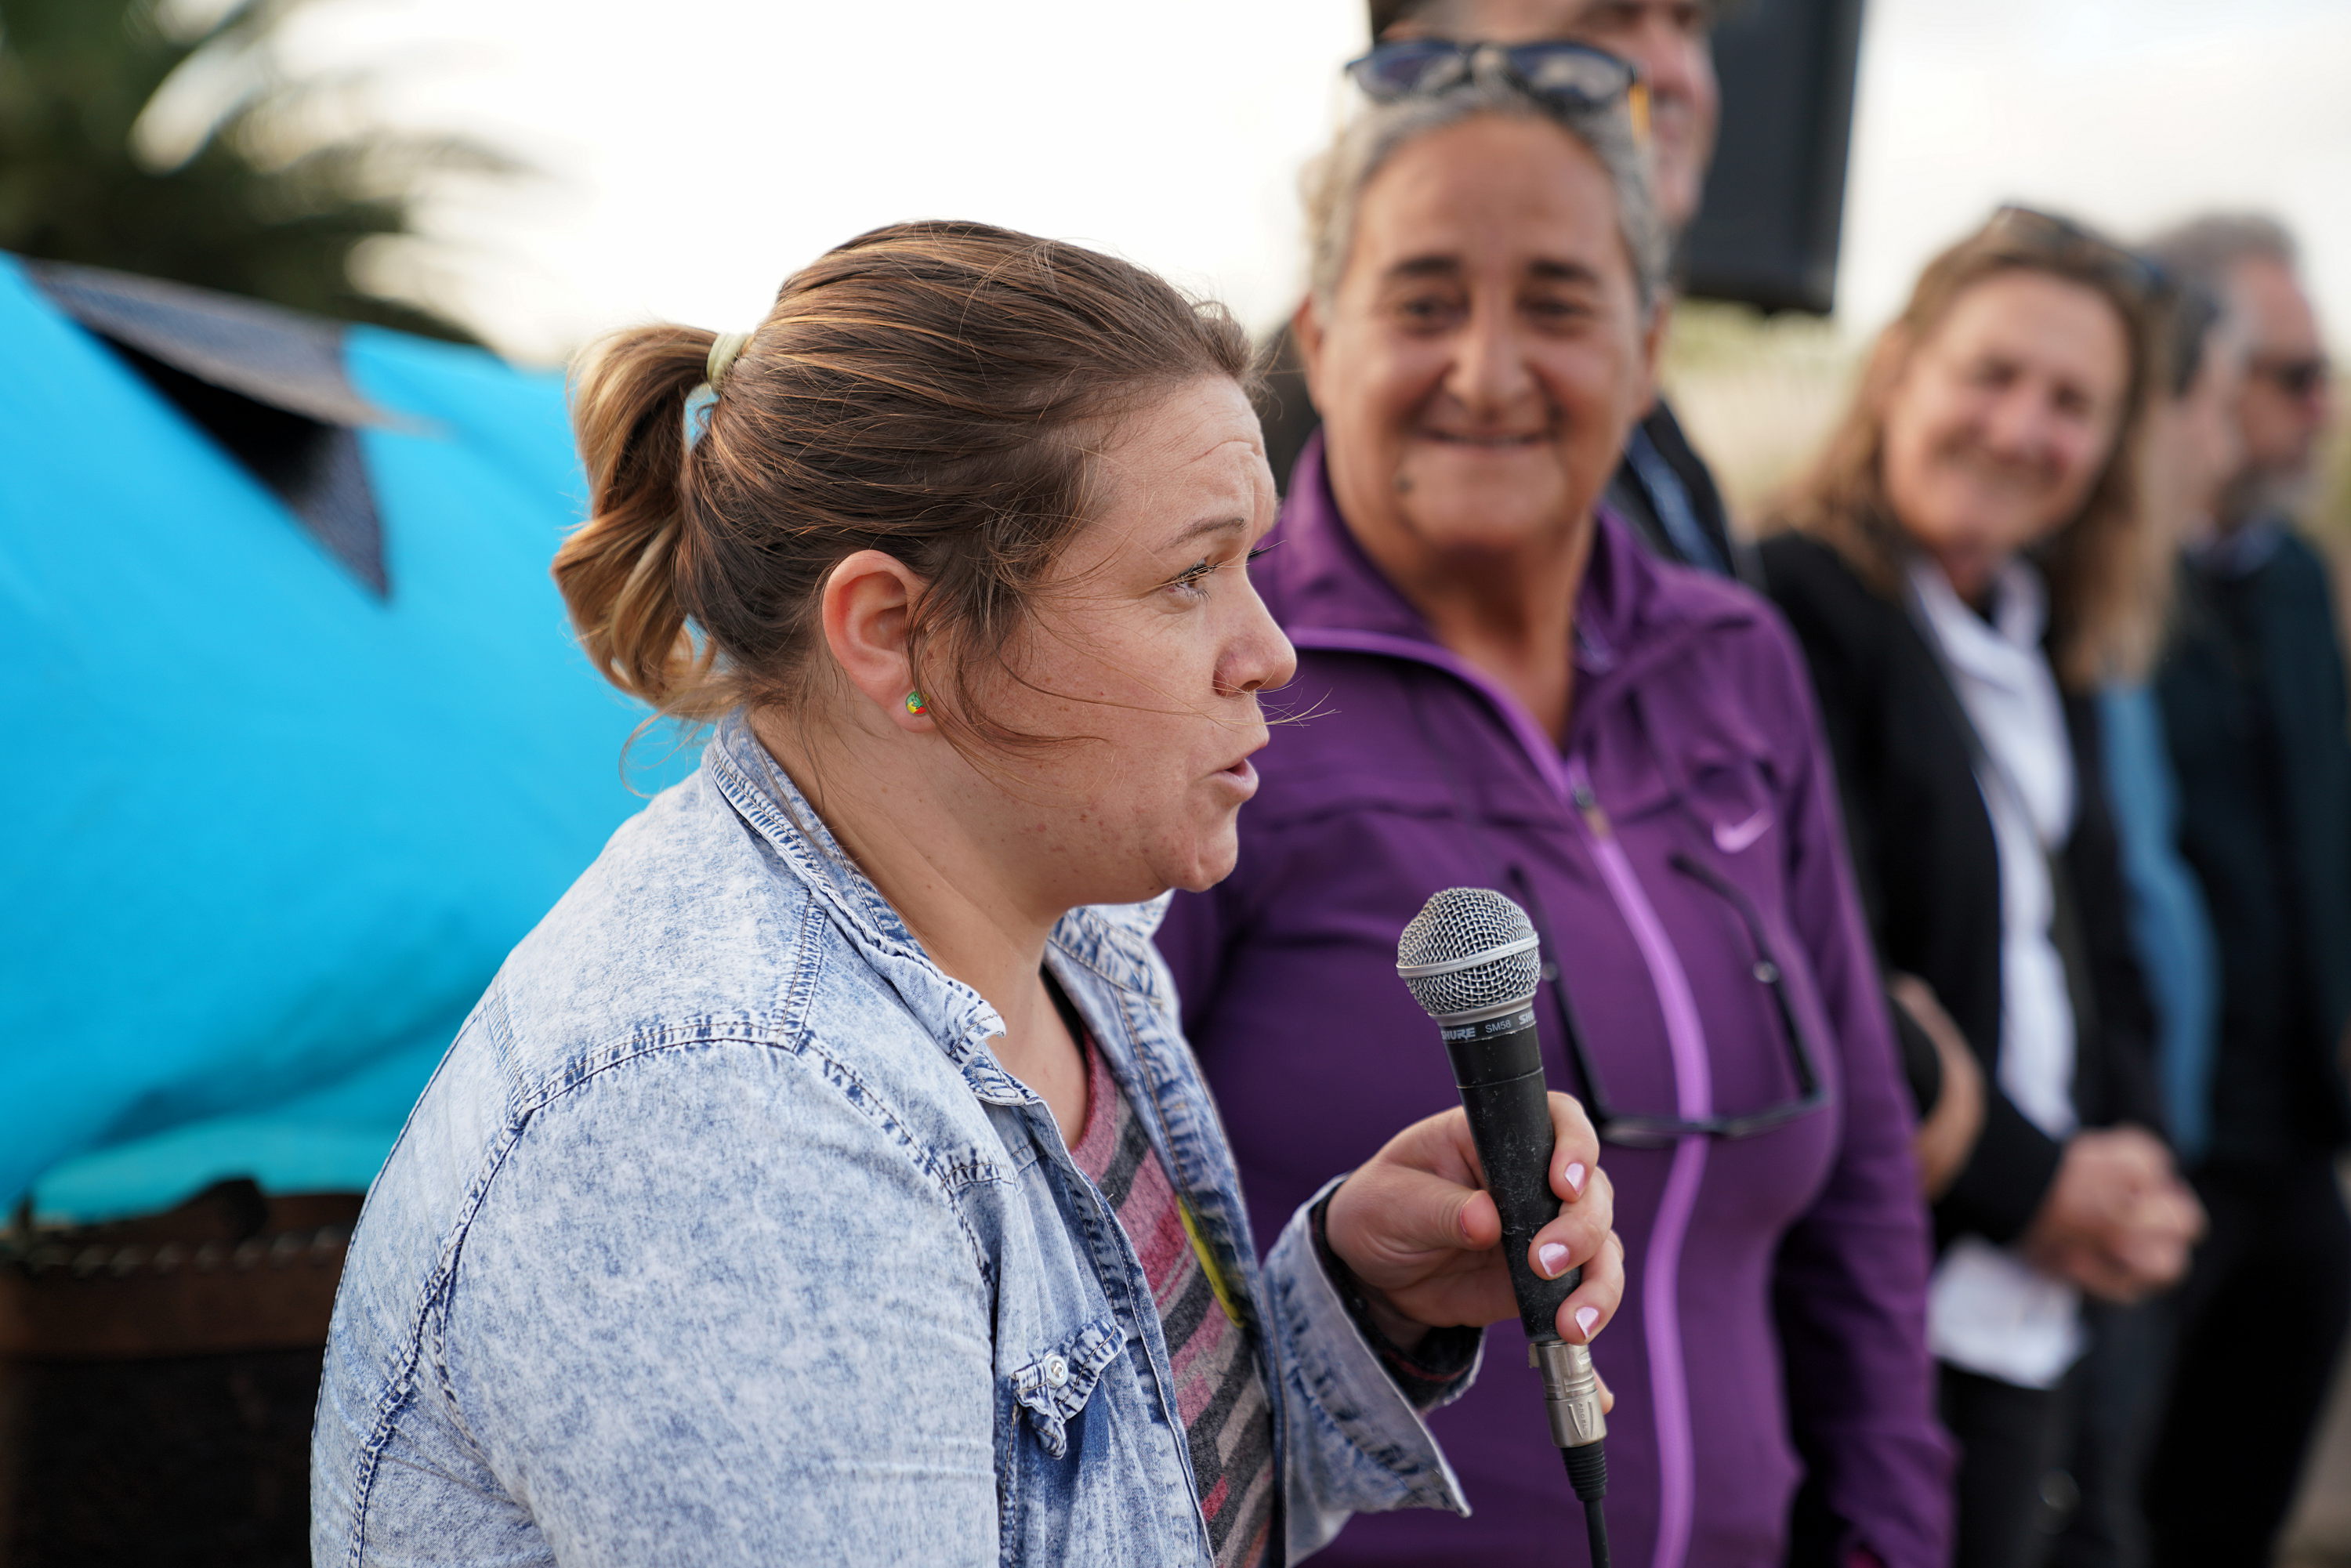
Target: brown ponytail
921, 391
618, 573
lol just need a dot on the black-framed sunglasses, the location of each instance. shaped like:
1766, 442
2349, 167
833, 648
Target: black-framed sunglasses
2134, 270
2296, 378
1652, 1132
1559, 69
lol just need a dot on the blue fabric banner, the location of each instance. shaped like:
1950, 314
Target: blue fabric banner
269, 834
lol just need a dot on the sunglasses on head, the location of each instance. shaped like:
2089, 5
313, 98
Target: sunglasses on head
1557, 70
2127, 267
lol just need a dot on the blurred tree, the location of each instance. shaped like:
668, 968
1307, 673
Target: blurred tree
161, 136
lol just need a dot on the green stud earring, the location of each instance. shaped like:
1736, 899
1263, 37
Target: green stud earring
917, 705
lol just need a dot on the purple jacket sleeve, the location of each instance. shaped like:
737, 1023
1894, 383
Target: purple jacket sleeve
1850, 1286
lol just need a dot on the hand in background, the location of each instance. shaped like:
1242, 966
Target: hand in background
2118, 1222
2158, 1235
1948, 1136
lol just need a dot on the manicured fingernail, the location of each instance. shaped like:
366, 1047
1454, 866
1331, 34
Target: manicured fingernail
1576, 1177
1584, 1318
1553, 1259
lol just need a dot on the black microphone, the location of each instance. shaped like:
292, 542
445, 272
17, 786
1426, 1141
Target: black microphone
1473, 962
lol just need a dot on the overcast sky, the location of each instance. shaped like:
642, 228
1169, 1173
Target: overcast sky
697, 151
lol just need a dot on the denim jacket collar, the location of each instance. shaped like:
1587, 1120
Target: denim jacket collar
1111, 941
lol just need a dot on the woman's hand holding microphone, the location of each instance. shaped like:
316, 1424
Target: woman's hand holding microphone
1415, 1225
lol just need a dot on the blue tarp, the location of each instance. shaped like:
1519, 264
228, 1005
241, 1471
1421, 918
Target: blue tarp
269, 834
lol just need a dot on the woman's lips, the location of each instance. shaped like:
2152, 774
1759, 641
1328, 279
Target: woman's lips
1243, 774
1497, 441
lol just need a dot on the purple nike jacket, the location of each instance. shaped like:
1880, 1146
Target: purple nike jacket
1682, 856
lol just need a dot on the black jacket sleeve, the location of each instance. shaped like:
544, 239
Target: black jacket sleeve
2000, 1189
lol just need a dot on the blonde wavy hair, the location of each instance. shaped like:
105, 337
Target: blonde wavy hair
2108, 569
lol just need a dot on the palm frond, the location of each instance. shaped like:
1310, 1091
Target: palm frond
129, 141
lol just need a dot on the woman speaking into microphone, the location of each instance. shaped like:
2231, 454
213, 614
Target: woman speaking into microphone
825, 1179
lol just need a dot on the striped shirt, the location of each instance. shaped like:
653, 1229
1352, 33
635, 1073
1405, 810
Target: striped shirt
1228, 1420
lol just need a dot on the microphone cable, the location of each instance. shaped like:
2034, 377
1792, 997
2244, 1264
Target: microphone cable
1571, 1400
1587, 1472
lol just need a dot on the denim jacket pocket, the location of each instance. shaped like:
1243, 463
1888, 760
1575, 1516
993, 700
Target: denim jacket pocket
1052, 1389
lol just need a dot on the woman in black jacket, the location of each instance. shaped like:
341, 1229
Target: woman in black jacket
1966, 564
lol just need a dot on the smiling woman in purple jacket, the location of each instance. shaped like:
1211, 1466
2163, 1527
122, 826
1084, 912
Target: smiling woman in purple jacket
1505, 691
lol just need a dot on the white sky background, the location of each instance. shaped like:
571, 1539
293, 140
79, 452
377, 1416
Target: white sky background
698, 150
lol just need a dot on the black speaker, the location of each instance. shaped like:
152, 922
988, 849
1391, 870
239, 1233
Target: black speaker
1766, 234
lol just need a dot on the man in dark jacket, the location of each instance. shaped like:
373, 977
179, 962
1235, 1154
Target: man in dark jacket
1663, 487
2252, 696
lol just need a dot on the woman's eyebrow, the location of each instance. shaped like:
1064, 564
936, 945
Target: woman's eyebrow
1414, 267
1205, 527
1556, 271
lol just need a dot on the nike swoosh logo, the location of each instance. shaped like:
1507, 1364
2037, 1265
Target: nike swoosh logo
1732, 840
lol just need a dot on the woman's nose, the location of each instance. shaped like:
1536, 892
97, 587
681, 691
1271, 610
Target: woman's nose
1490, 370
1260, 656
2018, 425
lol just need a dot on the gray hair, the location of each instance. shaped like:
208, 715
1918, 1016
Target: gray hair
1335, 182
2204, 251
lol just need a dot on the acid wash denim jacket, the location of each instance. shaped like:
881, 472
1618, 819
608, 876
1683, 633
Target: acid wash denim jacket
721, 1238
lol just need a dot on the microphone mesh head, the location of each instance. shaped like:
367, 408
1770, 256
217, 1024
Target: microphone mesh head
1461, 923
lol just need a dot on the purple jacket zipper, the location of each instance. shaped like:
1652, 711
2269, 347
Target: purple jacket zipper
1693, 1100
1685, 1037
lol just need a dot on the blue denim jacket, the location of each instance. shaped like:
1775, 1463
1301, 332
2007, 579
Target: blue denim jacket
720, 1236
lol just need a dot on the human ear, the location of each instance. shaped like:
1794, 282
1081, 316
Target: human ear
867, 607
1306, 331
1653, 349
